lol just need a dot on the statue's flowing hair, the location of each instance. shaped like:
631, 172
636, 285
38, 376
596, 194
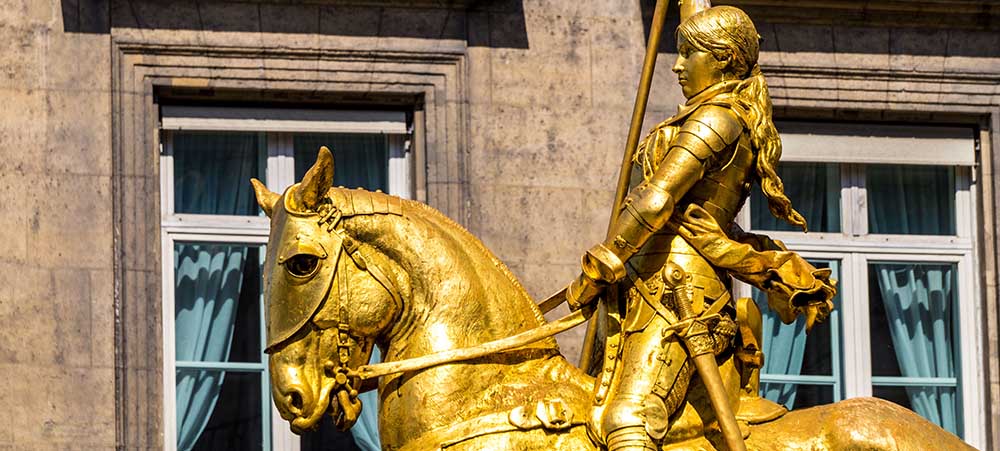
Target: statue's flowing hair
728, 34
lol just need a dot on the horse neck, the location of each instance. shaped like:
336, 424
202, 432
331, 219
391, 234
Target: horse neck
457, 293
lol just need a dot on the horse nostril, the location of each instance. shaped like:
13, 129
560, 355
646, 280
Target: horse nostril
295, 401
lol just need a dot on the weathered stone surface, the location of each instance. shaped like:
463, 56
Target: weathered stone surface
525, 130
70, 222
91, 56
52, 405
23, 124
73, 145
22, 62
13, 220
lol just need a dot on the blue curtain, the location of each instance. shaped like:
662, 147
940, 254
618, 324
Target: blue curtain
208, 280
211, 177
814, 189
918, 301
784, 348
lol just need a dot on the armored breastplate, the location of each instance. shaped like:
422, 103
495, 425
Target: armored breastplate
721, 191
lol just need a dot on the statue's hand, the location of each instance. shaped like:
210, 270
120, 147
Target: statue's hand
583, 291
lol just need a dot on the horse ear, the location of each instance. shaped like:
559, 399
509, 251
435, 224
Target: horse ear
265, 197
317, 181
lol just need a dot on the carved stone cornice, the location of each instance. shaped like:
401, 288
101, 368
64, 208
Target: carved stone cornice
960, 14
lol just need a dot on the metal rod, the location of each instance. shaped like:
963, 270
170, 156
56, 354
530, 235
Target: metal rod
625, 175
639, 110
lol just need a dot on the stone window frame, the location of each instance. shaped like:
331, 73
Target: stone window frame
830, 93
140, 66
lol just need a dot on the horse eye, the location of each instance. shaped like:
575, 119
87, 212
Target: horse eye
302, 265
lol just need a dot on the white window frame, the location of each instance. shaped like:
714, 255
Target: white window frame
855, 247
253, 230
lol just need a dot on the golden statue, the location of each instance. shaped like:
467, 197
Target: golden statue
468, 359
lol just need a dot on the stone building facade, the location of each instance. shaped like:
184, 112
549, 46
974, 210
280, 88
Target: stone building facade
518, 111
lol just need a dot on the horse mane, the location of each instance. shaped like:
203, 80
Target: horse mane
476, 242
360, 202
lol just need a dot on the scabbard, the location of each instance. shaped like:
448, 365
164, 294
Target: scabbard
708, 369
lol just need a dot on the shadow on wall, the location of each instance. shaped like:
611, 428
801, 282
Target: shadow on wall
481, 23
916, 27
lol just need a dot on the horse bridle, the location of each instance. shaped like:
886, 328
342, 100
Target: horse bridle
346, 379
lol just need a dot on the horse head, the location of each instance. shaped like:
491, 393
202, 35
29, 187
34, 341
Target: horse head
314, 340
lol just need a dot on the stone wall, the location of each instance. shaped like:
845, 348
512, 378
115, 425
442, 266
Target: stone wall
57, 384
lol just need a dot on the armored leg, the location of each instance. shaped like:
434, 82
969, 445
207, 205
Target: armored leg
651, 381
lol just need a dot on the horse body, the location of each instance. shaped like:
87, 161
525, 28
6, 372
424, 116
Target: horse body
415, 283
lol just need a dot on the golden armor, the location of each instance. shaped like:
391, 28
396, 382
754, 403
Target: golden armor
697, 171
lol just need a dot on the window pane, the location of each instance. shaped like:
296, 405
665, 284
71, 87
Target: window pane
912, 319
217, 302
797, 396
360, 160
327, 437
814, 189
219, 410
939, 405
913, 332
907, 199
212, 172
790, 351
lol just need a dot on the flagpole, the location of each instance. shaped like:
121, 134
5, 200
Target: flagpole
625, 175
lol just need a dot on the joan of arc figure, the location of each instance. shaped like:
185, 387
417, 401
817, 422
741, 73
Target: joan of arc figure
698, 168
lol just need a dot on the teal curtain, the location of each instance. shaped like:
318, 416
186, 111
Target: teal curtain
211, 174
784, 349
360, 160
910, 199
814, 189
918, 300
208, 279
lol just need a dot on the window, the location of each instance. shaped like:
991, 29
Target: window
891, 211
216, 384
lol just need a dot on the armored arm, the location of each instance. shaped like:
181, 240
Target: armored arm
648, 207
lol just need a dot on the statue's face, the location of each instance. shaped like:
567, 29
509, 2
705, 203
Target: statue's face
696, 70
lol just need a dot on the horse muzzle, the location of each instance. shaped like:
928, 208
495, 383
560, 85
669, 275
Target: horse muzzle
300, 385
305, 381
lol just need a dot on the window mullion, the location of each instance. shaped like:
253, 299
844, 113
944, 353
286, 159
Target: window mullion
282, 438
859, 208
169, 351
399, 167
857, 364
847, 195
970, 393
166, 175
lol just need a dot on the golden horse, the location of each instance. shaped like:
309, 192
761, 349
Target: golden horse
349, 269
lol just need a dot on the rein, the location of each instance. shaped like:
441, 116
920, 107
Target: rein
458, 355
